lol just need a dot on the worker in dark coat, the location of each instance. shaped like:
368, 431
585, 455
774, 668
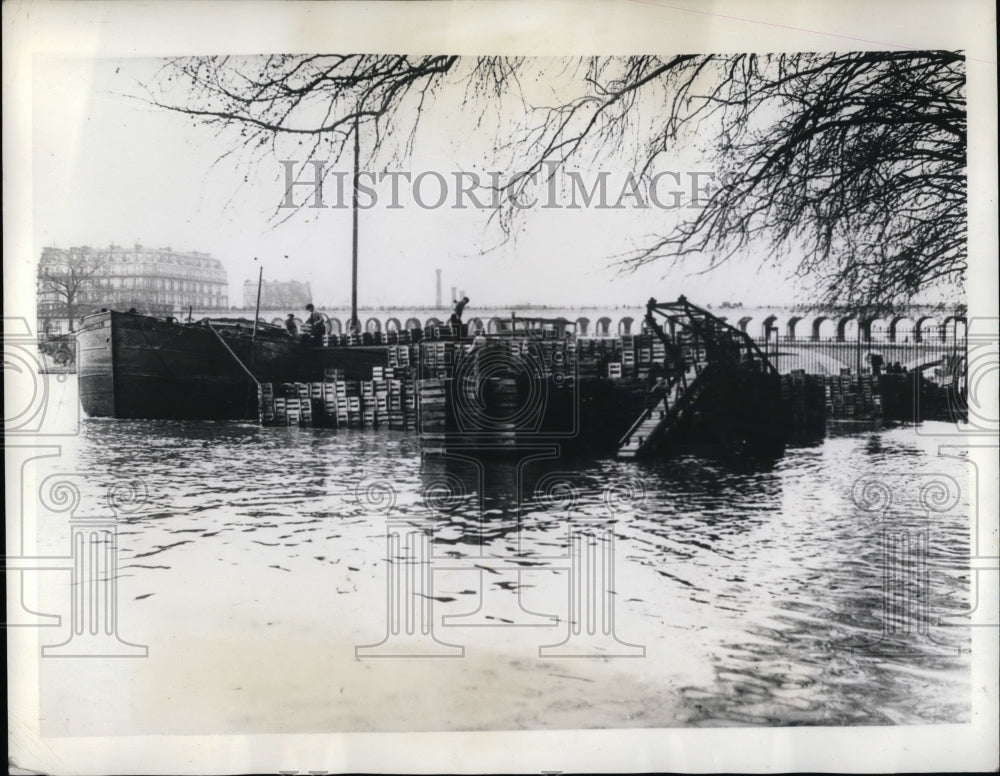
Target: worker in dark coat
315, 325
457, 308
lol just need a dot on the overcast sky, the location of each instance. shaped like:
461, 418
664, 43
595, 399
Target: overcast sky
108, 167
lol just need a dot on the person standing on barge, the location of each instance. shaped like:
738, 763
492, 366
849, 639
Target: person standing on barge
457, 308
315, 325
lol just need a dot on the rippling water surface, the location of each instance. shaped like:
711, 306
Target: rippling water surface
827, 587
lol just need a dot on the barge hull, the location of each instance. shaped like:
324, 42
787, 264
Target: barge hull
137, 367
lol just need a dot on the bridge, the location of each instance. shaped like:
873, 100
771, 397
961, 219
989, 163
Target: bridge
824, 342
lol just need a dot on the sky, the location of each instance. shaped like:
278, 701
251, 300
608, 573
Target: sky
110, 168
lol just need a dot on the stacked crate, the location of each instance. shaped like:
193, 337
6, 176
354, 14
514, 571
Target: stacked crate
367, 404
354, 416
399, 357
410, 405
395, 409
330, 404
628, 355
851, 396
644, 355
437, 359
433, 407
265, 397
388, 399
380, 406
280, 415
556, 357
340, 390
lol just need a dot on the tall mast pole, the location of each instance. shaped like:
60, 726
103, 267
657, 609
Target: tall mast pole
354, 230
256, 314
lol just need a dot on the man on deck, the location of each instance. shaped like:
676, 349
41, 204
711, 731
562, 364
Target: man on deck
315, 325
457, 308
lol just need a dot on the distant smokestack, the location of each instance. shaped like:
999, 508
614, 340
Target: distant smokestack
438, 297
461, 294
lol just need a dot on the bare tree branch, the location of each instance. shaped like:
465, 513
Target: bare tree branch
850, 166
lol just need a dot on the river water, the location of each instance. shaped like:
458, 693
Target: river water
826, 587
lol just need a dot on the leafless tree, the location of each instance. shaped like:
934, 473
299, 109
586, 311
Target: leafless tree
850, 166
65, 278
288, 295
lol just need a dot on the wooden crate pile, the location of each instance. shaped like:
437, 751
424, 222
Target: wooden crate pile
599, 357
437, 360
555, 357
442, 331
387, 400
403, 356
433, 407
851, 396
628, 355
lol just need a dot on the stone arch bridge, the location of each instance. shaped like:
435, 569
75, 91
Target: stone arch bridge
819, 343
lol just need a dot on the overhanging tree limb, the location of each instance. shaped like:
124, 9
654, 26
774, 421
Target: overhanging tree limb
849, 165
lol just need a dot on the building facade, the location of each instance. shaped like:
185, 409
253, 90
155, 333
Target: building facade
73, 282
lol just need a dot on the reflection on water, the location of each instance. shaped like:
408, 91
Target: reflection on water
806, 598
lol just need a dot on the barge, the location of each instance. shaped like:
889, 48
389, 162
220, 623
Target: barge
135, 366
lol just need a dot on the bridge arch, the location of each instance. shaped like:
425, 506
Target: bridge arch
847, 328
495, 326
334, 326
792, 323
431, 322
582, 324
821, 323
770, 323
603, 326
955, 325
277, 322
625, 325
878, 329
921, 327
476, 324
392, 324
895, 331
865, 328
373, 325
412, 323
743, 322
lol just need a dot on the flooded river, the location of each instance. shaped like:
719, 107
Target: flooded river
258, 565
